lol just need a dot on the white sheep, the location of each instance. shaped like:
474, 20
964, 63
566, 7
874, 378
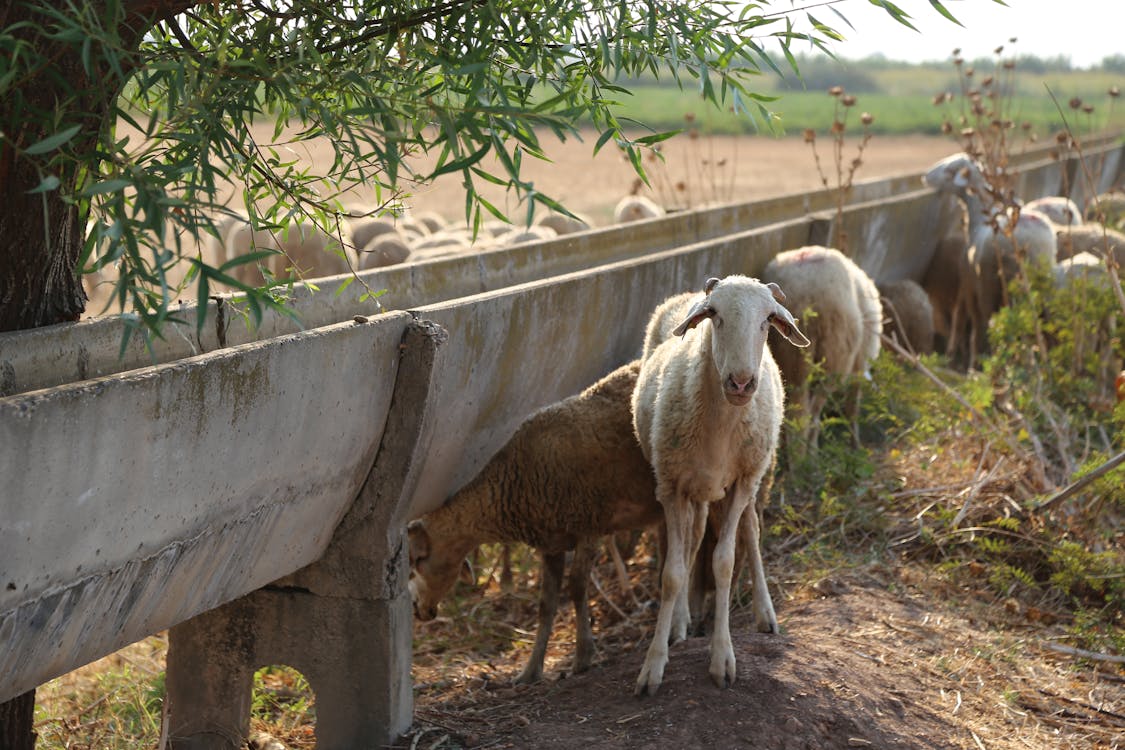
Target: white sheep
303, 246
563, 224
533, 233
845, 326
707, 411
571, 473
1059, 209
383, 250
364, 229
636, 208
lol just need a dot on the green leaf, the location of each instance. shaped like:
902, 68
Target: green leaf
52, 142
46, 185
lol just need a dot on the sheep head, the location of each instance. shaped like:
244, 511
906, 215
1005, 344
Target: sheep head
957, 173
741, 311
432, 573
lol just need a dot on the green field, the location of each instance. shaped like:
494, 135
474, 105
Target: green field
899, 97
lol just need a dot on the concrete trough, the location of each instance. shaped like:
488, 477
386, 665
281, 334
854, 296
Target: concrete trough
134, 502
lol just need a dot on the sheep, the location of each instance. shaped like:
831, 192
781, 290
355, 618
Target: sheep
563, 224
636, 208
909, 315
384, 250
364, 229
845, 329
432, 220
707, 411
533, 233
1107, 208
1059, 209
1090, 238
949, 281
996, 244
572, 472
303, 246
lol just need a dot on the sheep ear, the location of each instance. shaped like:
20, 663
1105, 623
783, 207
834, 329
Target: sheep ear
467, 575
419, 541
786, 325
711, 282
700, 310
775, 290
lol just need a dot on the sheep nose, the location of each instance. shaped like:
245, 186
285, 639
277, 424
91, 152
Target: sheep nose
745, 386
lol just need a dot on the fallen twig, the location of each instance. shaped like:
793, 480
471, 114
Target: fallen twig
1071, 489
1083, 653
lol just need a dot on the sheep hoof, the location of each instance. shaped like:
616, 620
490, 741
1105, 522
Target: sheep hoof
723, 671
528, 677
648, 682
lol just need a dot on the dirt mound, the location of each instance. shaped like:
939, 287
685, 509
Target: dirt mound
857, 666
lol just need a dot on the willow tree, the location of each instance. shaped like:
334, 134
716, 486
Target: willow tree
380, 79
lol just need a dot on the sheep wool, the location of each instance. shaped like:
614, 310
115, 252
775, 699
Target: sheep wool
571, 473
707, 410
846, 320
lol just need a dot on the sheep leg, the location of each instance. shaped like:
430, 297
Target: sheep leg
765, 619
579, 577
552, 565
678, 521
683, 615
723, 666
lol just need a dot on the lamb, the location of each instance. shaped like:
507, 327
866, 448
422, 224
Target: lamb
570, 474
908, 314
364, 229
707, 411
636, 208
534, 233
845, 329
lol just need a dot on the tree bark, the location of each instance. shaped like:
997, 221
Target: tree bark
42, 233
17, 723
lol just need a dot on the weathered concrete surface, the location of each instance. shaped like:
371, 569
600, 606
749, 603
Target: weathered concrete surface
134, 502
344, 621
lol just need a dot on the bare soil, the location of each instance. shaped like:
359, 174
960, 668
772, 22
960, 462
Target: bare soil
874, 657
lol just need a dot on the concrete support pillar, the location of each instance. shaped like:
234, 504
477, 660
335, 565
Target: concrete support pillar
345, 622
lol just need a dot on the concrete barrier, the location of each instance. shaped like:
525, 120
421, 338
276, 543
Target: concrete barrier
134, 502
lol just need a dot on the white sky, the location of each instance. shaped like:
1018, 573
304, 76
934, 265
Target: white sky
1084, 30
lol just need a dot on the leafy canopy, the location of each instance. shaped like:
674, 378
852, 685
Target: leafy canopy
381, 80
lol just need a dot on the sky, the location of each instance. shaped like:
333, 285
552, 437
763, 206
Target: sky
1084, 30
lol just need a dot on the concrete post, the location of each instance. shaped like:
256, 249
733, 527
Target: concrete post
345, 622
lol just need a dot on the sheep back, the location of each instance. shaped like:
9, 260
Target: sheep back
908, 314
847, 313
572, 469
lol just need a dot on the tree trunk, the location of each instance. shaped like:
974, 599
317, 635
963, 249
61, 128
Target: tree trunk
41, 234
17, 723
39, 279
